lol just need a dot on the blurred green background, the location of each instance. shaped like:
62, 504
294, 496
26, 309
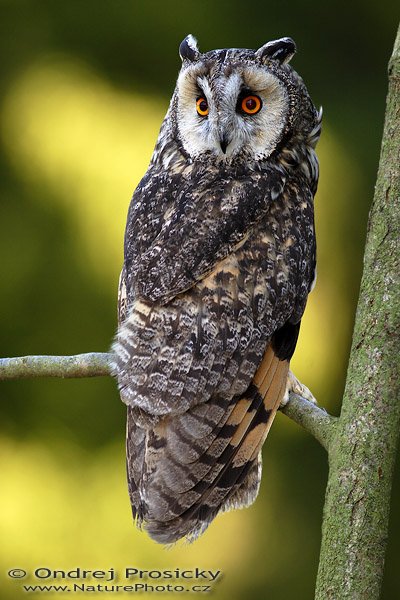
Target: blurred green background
83, 89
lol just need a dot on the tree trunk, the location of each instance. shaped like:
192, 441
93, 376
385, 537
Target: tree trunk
363, 448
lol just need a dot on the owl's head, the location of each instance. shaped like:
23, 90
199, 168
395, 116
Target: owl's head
238, 102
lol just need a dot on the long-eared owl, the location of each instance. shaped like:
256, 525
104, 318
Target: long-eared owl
219, 258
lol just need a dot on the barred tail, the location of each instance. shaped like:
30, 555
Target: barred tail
186, 469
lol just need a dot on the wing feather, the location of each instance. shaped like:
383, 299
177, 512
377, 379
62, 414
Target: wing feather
196, 223
205, 286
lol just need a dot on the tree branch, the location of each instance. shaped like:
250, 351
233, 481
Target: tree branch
312, 418
92, 364
96, 364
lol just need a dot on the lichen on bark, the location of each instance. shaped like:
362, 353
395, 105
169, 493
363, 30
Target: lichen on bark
363, 447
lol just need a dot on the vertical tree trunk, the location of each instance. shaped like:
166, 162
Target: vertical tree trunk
363, 448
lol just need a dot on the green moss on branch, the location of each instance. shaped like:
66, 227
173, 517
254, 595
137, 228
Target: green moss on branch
92, 364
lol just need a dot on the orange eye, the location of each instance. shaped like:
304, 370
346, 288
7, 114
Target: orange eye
202, 106
251, 105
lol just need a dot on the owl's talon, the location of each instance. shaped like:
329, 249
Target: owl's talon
295, 386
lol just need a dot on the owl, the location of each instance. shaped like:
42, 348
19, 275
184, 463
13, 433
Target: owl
219, 258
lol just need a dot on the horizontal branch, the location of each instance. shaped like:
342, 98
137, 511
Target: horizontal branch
312, 418
91, 364
96, 364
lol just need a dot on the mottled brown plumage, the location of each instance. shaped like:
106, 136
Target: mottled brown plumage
219, 260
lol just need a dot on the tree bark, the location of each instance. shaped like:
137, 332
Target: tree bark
363, 446
91, 364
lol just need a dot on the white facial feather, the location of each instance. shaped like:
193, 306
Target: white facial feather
256, 135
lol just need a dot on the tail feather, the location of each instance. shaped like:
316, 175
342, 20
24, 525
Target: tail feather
208, 460
135, 460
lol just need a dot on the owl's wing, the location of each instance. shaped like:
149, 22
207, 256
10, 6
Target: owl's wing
178, 230
244, 277
122, 305
203, 371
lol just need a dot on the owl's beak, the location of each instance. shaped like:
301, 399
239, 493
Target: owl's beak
224, 142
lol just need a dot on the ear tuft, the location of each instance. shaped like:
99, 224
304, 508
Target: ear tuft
281, 50
188, 49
